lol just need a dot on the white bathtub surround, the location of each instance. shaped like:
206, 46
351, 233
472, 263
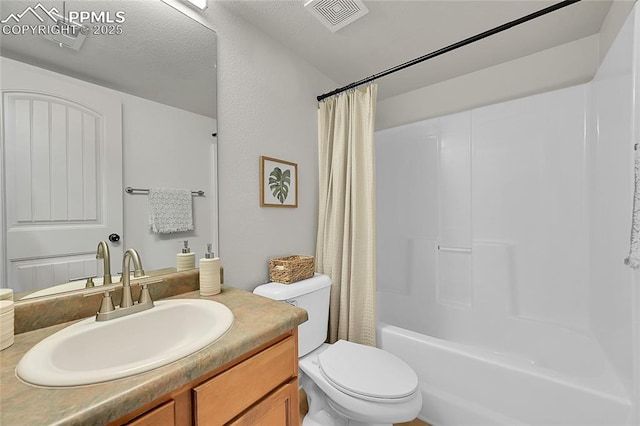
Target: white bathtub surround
634, 252
346, 248
501, 242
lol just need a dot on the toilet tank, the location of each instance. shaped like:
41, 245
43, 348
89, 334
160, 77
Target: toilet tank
312, 295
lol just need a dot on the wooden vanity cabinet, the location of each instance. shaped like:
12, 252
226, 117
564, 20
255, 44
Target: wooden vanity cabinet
259, 388
278, 408
161, 416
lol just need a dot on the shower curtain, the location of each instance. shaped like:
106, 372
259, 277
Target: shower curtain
346, 241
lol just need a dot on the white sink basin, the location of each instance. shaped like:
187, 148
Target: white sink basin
90, 352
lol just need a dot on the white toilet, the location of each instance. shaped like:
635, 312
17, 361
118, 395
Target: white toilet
346, 383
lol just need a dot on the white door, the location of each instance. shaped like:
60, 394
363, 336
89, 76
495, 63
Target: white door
62, 181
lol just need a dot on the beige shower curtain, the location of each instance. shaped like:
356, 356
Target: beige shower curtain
346, 242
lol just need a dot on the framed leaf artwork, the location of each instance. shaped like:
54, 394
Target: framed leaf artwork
278, 183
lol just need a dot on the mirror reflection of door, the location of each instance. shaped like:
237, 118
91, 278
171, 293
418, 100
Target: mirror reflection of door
62, 149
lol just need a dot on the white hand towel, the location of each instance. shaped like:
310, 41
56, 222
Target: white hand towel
170, 210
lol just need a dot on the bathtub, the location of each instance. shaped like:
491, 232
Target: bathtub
470, 385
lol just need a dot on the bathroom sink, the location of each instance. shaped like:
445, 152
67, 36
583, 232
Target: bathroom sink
89, 352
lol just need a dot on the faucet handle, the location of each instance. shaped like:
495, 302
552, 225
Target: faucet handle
145, 281
86, 277
107, 303
145, 296
98, 289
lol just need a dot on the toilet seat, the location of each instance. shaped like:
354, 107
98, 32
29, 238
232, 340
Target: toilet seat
367, 373
377, 411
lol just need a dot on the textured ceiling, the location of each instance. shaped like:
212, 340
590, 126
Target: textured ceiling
397, 31
161, 54
165, 56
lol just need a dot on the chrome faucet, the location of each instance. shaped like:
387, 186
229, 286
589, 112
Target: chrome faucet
103, 253
127, 306
127, 301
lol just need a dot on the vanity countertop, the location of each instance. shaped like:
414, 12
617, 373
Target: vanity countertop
257, 321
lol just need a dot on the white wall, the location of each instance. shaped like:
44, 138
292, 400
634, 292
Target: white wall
165, 146
267, 106
612, 24
562, 66
610, 191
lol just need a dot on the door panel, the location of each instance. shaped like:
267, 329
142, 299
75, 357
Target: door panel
62, 151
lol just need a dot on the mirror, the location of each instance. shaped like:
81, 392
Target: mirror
114, 94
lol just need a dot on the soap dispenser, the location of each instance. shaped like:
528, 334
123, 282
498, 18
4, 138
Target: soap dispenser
209, 274
186, 259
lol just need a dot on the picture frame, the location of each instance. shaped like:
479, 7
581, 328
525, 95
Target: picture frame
278, 183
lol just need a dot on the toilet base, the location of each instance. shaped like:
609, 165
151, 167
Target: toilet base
307, 421
321, 413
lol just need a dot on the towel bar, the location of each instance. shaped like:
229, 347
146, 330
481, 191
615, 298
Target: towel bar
455, 249
130, 190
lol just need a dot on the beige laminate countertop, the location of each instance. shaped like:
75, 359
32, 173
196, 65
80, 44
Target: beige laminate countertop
257, 321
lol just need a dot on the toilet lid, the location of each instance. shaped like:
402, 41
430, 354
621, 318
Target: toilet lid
367, 372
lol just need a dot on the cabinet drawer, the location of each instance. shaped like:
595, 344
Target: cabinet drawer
163, 415
277, 409
223, 397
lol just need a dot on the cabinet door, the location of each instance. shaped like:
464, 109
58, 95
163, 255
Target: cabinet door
280, 408
159, 416
225, 396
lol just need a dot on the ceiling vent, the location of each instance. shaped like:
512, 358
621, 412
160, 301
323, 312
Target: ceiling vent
336, 14
68, 34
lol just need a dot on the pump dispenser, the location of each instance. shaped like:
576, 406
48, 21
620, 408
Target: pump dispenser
209, 274
186, 259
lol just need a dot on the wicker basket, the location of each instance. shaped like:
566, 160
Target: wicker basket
287, 270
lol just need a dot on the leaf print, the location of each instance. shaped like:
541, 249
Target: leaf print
279, 182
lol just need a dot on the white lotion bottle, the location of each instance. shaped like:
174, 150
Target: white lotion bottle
185, 260
209, 274
6, 323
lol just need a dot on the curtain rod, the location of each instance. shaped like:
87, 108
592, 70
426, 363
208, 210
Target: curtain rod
453, 46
